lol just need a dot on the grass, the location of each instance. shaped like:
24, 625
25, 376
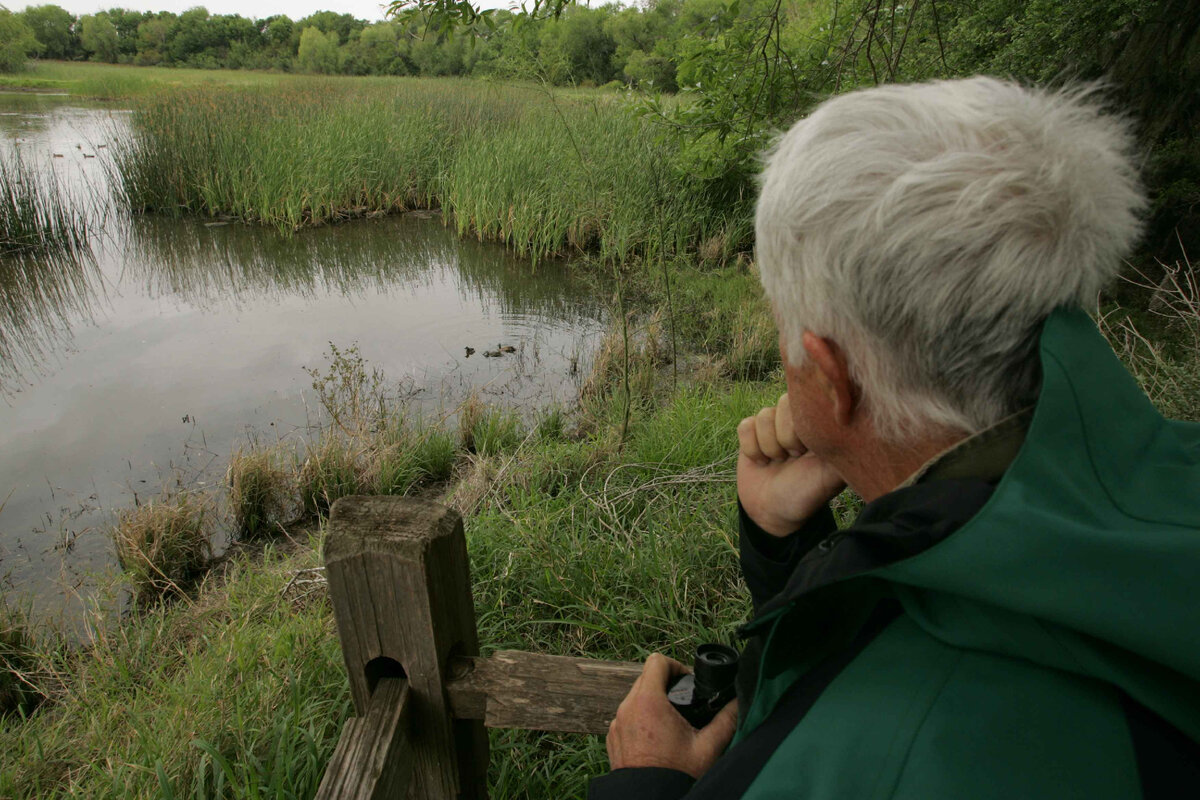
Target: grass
579, 544
165, 543
1161, 344
17, 659
119, 81
47, 268
240, 690
237, 693
262, 493
544, 174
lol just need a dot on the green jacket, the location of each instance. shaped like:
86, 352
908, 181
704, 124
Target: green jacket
1035, 637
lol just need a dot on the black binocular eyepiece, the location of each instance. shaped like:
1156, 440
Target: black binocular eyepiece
699, 696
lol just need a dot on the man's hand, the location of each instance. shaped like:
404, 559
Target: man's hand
649, 732
779, 482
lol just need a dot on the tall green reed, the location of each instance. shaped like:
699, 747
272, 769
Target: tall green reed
546, 175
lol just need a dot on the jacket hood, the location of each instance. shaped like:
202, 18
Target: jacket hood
1086, 556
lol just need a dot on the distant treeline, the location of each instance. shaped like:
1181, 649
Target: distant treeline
588, 46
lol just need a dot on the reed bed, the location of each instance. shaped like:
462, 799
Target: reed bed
35, 217
547, 175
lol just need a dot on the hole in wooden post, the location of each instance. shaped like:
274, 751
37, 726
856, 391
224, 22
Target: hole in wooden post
458, 664
383, 667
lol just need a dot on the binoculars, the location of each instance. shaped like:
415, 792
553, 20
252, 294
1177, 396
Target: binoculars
699, 696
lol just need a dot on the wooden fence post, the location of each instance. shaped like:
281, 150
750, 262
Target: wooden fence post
401, 593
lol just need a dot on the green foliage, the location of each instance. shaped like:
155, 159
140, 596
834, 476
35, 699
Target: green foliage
17, 42
98, 37
318, 52
650, 72
52, 26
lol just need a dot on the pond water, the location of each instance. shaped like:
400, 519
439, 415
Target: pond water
182, 339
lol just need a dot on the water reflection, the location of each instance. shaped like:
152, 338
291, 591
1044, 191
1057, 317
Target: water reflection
41, 298
205, 263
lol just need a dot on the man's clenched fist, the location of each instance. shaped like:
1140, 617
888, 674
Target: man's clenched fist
780, 483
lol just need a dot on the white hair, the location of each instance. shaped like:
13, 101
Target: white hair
929, 230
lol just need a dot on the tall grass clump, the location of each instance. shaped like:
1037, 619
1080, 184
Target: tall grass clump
164, 543
548, 175
333, 467
294, 155
575, 176
262, 492
406, 458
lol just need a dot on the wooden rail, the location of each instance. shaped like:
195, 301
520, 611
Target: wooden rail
401, 594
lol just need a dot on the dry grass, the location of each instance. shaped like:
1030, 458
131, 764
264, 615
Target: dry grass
162, 545
262, 492
1162, 347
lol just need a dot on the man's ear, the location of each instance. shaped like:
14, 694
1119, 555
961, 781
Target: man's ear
835, 375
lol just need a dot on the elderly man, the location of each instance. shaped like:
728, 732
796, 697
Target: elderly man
1014, 612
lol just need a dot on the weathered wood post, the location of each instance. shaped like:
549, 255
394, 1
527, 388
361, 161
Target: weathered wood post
401, 592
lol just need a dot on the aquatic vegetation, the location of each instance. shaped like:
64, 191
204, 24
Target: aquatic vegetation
164, 543
262, 492
34, 216
546, 174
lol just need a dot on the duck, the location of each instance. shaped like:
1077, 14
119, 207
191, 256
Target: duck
491, 353
506, 348
470, 351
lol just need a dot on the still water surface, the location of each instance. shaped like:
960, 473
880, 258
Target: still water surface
182, 339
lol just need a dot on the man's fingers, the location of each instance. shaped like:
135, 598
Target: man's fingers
657, 672
718, 733
764, 429
785, 433
748, 441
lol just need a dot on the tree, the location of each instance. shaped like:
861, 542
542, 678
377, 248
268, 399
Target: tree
17, 42
650, 72
51, 25
318, 52
379, 50
341, 25
152, 38
98, 36
126, 22
586, 45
